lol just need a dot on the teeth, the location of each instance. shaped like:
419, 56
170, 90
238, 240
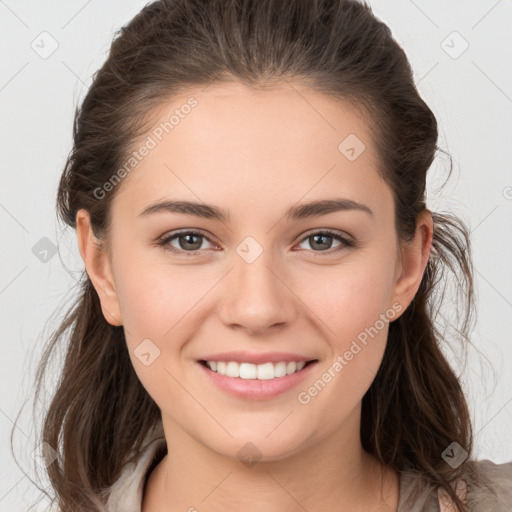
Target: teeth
264, 371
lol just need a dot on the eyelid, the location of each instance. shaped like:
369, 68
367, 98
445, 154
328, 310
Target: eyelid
328, 231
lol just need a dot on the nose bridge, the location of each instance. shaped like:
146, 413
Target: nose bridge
257, 297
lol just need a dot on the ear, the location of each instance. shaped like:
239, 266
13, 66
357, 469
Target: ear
413, 260
98, 268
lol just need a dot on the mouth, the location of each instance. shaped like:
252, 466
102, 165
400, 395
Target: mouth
249, 371
256, 382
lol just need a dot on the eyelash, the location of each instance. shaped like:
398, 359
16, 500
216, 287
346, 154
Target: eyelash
166, 239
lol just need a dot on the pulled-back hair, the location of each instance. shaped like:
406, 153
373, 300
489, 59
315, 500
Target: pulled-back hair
415, 407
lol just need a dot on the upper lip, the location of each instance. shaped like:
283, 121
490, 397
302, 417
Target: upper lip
256, 358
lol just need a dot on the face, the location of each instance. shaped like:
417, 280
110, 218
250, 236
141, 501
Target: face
261, 282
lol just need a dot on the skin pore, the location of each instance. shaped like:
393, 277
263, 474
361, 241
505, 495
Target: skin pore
255, 154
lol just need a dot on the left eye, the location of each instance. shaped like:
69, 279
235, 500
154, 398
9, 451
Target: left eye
326, 237
191, 241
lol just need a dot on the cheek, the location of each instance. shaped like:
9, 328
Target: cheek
156, 311
350, 298
353, 306
154, 298
162, 307
355, 313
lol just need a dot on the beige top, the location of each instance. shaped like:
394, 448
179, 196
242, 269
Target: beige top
416, 494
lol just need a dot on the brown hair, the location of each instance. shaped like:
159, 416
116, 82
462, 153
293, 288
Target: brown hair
415, 408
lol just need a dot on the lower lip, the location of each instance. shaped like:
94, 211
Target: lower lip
255, 389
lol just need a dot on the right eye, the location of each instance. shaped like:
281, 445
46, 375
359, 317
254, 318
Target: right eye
189, 241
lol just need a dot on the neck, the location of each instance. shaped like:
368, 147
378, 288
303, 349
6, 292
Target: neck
335, 473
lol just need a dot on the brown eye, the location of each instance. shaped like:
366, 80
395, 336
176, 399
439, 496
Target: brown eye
188, 242
321, 241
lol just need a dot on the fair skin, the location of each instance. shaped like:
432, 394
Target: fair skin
257, 153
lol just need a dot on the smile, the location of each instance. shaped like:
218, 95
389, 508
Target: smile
265, 371
256, 381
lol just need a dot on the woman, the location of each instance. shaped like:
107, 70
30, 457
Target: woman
256, 324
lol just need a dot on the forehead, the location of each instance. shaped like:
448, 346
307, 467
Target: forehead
289, 119
228, 142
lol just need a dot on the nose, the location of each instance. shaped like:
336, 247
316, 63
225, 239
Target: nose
257, 296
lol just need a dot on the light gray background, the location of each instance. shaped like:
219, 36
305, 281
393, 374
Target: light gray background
471, 96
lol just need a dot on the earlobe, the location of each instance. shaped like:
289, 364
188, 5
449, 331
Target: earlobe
414, 257
98, 268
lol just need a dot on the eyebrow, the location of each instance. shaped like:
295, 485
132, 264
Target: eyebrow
302, 211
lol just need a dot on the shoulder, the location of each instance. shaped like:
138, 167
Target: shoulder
482, 485
126, 493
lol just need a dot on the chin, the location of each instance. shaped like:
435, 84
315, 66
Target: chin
260, 447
